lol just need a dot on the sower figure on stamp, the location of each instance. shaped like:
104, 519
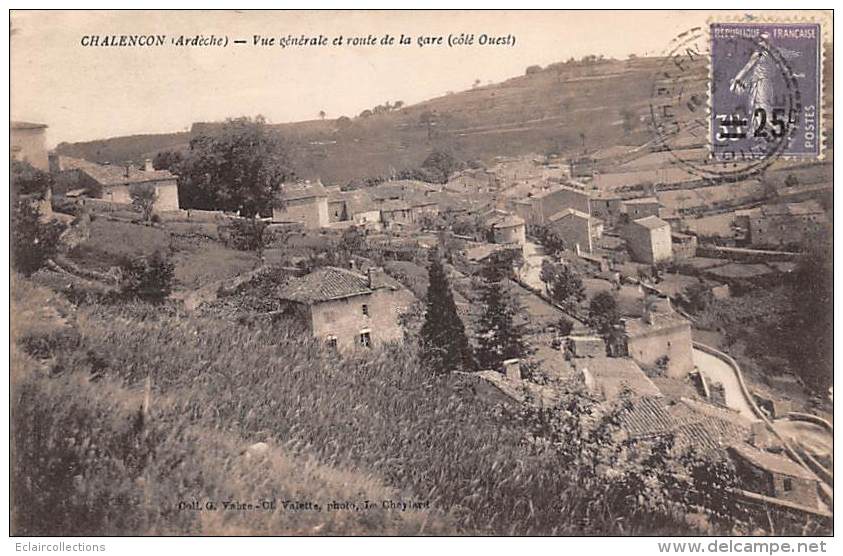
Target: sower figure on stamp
755, 80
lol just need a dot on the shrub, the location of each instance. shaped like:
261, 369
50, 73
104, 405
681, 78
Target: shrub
603, 312
564, 326
147, 278
33, 241
245, 234
143, 197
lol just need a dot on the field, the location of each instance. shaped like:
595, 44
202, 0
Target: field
198, 260
336, 428
537, 113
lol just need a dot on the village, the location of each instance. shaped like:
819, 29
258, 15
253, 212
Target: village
622, 228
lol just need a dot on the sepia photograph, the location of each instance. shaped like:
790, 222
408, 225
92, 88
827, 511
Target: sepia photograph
437, 273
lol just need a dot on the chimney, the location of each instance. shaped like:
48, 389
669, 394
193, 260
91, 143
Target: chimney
512, 368
147, 165
377, 277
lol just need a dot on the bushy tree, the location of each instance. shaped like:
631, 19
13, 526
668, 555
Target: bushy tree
143, 197
508, 262
550, 238
147, 278
563, 285
440, 165
697, 297
167, 160
811, 292
240, 168
498, 336
629, 120
603, 313
444, 345
33, 241
564, 326
353, 240
28, 180
245, 234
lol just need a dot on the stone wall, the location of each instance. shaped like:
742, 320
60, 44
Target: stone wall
345, 319
674, 342
312, 212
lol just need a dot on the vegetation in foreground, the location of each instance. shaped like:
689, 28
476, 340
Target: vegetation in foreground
357, 427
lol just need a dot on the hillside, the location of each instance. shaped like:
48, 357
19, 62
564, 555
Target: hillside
541, 112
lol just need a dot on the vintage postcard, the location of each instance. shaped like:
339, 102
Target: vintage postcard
430, 273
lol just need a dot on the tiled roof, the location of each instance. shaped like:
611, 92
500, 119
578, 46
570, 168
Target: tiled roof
641, 201
26, 125
707, 428
394, 205
636, 327
355, 201
108, 175
771, 462
569, 212
306, 190
611, 376
555, 188
651, 222
505, 221
328, 283
646, 417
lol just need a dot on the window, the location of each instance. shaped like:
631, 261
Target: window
331, 341
365, 339
787, 484
365, 310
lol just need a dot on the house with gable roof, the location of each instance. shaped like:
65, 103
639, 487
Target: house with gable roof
114, 182
345, 308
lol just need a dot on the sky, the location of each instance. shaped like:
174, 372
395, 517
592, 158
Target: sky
85, 93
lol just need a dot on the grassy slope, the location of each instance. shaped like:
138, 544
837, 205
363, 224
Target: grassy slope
83, 460
198, 261
372, 427
535, 113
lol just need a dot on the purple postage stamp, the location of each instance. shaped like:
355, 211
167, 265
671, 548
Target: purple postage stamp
765, 90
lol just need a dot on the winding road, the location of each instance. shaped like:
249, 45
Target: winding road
715, 370
815, 439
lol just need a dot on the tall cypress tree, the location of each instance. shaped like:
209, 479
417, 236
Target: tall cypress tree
444, 345
498, 337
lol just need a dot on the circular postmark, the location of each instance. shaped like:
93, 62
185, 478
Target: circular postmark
725, 105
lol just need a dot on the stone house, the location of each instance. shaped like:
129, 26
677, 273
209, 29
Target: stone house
396, 213
608, 208
649, 240
507, 228
114, 183
540, 206
28, 143
641, 207
347, 309
579, 230
354, 207
423, 208
659, 339
784, 224
585, 346
305, 203
684, 246
609, 377
775, 475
